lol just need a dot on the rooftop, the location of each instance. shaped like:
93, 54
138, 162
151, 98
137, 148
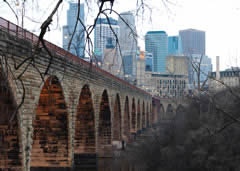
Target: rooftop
156, 32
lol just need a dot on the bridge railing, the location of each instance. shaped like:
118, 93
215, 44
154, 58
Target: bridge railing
17, 31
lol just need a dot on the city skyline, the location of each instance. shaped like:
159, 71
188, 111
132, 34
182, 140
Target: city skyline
185, 14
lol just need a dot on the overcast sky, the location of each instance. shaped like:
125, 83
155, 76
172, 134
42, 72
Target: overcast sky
219, 18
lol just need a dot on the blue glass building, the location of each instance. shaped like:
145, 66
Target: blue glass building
174, 45
127, 63
148, 61
78, 43
156, 42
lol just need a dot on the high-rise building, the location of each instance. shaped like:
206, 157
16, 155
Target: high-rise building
174, 45
78, 42
111, 60
156, 42
103, 32
205, 65
128, 43
193, 41
148, 61
128, 35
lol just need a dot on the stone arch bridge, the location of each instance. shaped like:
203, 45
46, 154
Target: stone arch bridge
75, 110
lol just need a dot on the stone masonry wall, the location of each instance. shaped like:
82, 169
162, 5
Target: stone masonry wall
72, 77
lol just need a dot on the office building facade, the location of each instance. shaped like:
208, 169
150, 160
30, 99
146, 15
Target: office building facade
128, 43
111, 61
78, 42
103, 32
166, 85
148, 62
156, 42
174, 45
193, 41
205, 68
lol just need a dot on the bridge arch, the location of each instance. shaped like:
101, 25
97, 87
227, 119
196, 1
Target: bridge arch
104, 128
147, 120
84, 141
143, 116
162, 112
151, 115
10, 149
155, 112
126, 129
169, 111
117, 126
50, 128
133, 129
138, 116
180, 109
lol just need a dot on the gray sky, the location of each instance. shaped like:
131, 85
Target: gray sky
219, 18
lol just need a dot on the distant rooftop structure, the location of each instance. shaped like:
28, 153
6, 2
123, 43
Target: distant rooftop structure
156, 32
233, 69
191, 29
106, 21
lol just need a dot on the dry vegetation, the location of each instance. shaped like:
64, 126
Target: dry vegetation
205, 135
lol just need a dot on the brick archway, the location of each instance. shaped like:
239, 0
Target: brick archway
138, 116
104, 130
133, 130
10, 152
50, 136
117, 126
126, 129
85, 124
143, 116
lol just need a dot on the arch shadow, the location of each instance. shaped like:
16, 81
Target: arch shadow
50, 146
133, 130
147, 117
126, 129
138, 116
143, 116
10, 151
161, 112
169, 112
85, 124
117, 126
104, 130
